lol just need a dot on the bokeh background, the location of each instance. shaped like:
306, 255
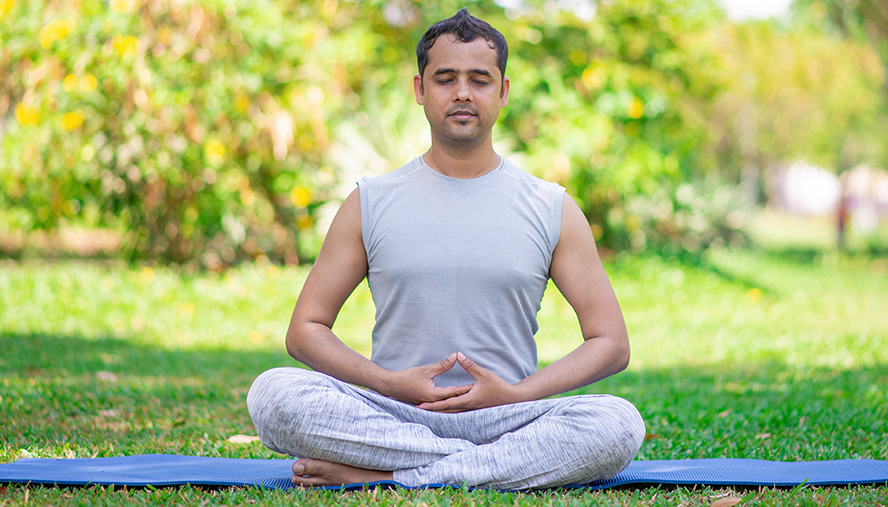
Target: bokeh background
203, 134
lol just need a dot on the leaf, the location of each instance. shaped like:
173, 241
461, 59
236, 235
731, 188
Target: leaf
799, 487
242, 439
730, 501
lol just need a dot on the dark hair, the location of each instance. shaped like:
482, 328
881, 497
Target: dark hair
466, 28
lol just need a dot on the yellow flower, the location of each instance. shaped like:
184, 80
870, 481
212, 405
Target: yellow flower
591, 77
27, 115
72, 120
635, 109
300, 196
754, 296
88, 83
55, 30
304, 222
241, 103
125, 6
125, 45
5, 7
215, 151
70, 82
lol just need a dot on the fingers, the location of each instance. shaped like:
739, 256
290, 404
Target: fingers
445, 365
451, 391
454, 404
471, 367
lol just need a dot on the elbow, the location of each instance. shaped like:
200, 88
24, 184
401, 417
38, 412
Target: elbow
291, 347
623, 361
622, 353
292, 343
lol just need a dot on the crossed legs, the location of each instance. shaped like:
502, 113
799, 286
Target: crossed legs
348, 434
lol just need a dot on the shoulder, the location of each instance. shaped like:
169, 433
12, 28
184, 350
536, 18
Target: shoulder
525, 178
400, 174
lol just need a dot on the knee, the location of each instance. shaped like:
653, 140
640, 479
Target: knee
278, 391
619, 432
631, 425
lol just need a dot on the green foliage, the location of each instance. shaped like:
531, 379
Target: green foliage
211, 131
612, 106
198, 128
863, 24
202, 130
861, 19
784, 105
684, 221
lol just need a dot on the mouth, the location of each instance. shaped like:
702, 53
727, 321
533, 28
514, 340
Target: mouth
462, 114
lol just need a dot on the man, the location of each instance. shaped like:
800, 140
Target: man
457, 247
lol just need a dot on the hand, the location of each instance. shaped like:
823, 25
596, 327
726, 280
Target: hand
417, 385
489, 390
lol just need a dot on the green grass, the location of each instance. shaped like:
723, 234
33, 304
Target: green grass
771, 355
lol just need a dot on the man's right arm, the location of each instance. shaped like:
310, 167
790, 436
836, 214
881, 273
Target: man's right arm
339, 268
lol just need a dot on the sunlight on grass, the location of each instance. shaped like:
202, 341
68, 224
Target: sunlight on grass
241, 309
770, 355
743, 307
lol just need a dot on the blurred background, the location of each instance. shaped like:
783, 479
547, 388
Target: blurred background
203, 134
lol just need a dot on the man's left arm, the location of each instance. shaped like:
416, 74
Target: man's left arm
577, 272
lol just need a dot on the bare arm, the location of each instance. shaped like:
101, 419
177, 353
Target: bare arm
340, 267
577, 272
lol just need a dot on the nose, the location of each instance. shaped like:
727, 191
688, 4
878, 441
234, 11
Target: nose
462, 92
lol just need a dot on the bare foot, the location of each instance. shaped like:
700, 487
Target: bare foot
316, 472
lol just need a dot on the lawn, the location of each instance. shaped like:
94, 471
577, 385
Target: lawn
779, 354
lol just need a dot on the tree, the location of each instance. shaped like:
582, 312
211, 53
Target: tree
794, 93
197, 129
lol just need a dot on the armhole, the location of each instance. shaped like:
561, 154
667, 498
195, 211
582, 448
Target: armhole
363, 193
557, 212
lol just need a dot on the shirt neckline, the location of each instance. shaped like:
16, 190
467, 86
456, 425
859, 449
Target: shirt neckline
490, 174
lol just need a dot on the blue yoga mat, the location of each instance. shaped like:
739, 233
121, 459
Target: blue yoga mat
172, 470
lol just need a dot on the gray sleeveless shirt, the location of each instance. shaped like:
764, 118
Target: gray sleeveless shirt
458, 266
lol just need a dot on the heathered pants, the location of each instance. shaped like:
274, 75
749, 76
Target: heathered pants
545, 443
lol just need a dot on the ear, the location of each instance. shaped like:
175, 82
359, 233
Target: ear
504, 93
417, 88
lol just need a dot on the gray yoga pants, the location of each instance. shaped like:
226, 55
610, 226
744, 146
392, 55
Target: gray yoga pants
537, 444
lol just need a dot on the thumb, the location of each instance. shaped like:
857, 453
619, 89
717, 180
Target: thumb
469, 365
446, 365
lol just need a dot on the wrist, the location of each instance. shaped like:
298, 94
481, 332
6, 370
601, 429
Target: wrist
525, 390
381, 380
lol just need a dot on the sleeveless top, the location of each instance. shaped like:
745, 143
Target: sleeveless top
458, 265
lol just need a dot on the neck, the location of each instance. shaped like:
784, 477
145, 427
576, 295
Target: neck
460, 162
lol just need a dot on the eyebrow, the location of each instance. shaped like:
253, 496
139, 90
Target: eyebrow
482, 72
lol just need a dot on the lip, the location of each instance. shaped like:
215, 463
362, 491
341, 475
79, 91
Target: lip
462, 115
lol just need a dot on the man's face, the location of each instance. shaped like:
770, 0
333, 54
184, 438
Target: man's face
461, 90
